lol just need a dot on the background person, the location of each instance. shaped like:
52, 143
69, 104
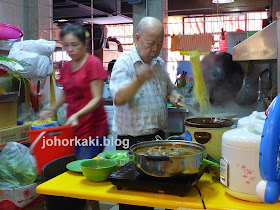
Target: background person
110, 67
139, 87
83, 80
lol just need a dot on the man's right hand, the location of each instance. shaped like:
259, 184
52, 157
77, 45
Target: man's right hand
144, 72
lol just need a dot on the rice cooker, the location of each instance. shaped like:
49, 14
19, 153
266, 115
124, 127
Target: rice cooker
239, 166
208, 131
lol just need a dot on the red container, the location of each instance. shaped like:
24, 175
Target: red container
2, 72
223, 43
51, 143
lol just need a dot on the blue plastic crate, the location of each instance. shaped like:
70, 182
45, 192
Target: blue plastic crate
48, 125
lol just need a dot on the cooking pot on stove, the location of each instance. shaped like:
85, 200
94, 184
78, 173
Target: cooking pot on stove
167, 165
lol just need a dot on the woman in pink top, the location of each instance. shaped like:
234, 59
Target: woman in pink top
82, 79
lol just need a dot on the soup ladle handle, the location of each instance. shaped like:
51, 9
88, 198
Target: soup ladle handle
156, 157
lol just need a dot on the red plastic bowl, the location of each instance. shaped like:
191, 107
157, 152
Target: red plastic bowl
8, 31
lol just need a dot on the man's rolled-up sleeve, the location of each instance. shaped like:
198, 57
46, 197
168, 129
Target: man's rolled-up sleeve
119, 77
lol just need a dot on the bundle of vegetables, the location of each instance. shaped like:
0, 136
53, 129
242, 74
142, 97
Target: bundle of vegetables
14, 68
116, 156
12, 64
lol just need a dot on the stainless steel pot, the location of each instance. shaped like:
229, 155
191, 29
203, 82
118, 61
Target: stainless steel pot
167, 166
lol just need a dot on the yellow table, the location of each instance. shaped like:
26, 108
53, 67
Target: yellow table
75, 185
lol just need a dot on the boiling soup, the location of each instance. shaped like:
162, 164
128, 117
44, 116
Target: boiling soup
169, 150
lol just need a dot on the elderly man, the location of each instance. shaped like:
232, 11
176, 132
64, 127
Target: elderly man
140, 86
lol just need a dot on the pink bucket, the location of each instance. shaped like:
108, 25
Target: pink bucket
8, 31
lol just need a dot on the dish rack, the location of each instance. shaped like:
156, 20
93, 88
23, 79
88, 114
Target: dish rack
268, 189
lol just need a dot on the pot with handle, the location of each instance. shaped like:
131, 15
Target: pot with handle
187, 161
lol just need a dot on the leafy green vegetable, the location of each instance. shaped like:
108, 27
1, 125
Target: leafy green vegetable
4, 58
116, 156
17, 166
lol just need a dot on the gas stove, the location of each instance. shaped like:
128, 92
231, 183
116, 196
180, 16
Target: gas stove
130, 178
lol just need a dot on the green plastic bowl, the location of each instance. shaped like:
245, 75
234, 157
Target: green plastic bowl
96, 170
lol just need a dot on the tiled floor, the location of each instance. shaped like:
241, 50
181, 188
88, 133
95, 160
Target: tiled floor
110, 206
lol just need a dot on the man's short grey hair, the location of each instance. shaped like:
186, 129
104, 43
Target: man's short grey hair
140, 29
144, 22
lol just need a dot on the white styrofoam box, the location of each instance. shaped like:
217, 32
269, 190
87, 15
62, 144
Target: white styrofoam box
110, 114
19, 197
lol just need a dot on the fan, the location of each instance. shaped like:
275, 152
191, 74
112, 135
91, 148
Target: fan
268, 189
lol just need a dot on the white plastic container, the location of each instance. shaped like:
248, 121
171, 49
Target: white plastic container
255, 117
240, 157
112, 136
240, 163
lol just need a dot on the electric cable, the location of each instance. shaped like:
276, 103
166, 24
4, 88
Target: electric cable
201, 197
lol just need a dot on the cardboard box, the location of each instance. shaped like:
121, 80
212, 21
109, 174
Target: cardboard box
8, 114
21, 198
15, 133
112, 45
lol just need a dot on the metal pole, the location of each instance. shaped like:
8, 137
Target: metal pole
91, 14
51, 19
146, 8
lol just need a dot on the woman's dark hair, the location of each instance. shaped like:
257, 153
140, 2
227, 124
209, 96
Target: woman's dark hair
76, 30
111, 65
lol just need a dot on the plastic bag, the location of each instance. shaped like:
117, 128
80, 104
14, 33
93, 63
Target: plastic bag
61, 114
40, 46
40, 65
17, 166
46, 94
28, 114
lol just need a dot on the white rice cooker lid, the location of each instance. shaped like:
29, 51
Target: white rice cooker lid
240, 138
